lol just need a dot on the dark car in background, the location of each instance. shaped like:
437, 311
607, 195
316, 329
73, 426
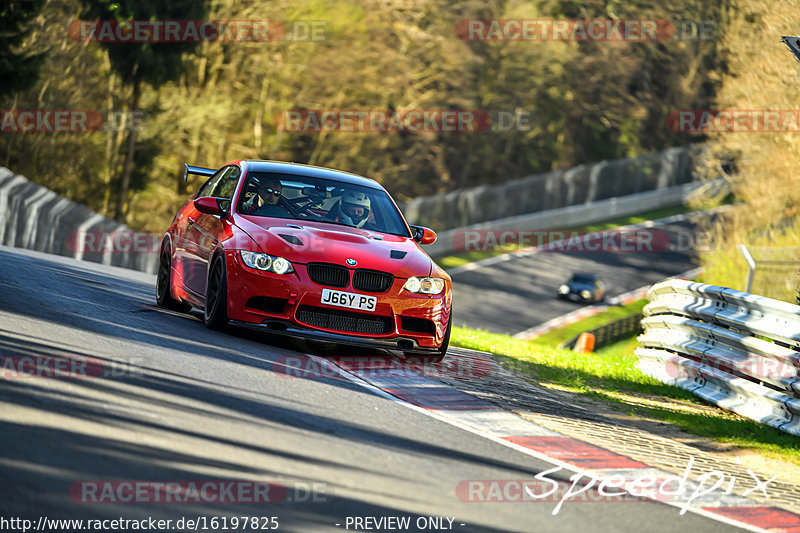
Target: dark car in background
584, 288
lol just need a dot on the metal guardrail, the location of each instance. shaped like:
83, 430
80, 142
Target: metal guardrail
36, 218
737, 350
572, 216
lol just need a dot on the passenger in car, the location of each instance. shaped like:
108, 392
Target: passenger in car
267, 200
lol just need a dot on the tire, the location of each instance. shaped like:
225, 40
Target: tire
429, 358
164, 281
446, 341
215, 312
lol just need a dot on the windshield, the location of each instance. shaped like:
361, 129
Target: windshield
299, 197
583, 279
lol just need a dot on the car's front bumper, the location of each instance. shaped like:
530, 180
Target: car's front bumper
297, 291
575, 297
288, 328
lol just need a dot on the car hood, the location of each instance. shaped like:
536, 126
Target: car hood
303, 242
577, 287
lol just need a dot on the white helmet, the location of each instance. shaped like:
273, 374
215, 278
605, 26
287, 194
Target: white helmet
355, 199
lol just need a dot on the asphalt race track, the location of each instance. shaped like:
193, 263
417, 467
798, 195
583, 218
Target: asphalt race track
512, 295
172, 401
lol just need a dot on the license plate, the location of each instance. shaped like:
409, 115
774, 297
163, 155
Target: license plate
349, 300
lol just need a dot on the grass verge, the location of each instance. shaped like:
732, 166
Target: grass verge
460, 259
561, 335
611, 376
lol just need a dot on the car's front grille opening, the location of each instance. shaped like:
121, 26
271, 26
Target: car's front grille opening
372, 281
329, 275
322, 317
417, 325
267, 304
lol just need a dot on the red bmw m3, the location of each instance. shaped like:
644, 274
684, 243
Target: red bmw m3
309, 252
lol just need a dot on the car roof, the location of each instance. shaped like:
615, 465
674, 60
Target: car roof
583, 275
284, 167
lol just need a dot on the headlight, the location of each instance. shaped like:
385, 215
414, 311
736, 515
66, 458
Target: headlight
563, 289
586, 294
424, 285
281, 266
265, 262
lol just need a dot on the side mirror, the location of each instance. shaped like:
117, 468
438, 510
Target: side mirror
423, 235
209, 205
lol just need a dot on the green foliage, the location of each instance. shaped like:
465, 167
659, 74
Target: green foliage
152, 63
611, 314
583, 101
19, 70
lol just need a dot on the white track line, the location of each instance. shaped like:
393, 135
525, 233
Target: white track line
533, 453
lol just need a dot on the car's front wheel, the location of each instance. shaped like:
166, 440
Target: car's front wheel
446, 341
164, 282
215, 313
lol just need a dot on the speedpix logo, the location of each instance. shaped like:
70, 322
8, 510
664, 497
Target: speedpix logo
682, 489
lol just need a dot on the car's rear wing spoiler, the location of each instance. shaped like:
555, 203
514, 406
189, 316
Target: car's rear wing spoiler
200, 171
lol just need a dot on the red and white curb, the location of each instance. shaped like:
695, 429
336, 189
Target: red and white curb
710, 495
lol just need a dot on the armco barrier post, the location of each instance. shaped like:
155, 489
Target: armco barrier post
751, 266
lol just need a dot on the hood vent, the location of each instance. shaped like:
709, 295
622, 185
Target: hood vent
397, 254
291, 239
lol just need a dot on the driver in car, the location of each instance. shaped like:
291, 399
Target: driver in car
353, 209
266, 201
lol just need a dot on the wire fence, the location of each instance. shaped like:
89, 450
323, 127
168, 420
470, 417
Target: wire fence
775, 272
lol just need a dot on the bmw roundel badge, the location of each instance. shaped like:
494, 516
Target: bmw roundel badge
351, 262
